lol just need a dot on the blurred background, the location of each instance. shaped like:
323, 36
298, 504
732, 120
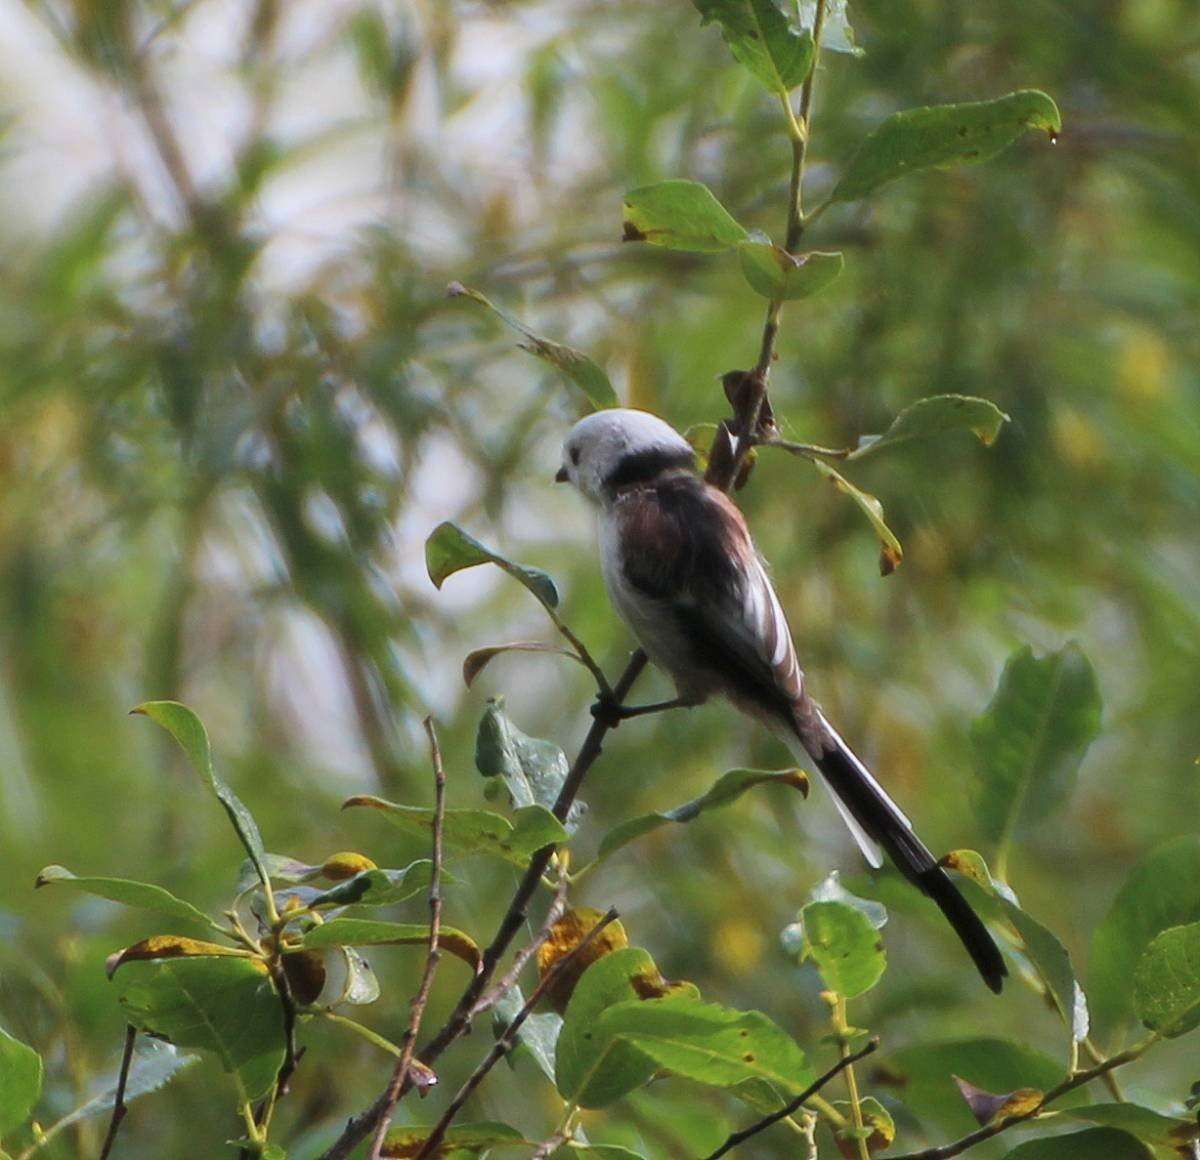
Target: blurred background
234, 401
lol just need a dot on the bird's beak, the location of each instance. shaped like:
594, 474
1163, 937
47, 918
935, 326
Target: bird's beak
561, 475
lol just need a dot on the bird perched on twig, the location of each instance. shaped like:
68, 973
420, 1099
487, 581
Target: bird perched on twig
682, 571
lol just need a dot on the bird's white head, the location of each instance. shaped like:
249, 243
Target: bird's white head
615, 448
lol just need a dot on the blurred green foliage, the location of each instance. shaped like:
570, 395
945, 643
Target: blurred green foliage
227, 432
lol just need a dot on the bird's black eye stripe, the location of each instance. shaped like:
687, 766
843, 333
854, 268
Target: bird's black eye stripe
643, 466
575, 456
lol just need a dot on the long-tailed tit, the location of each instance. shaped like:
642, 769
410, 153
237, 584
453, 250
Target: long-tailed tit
683, 573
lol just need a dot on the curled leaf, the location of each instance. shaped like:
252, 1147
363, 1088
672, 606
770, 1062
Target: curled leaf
986, 1107
449, 549
172, 946
890, 551
478, 660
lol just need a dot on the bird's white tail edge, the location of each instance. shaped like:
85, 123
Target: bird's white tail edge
871, 849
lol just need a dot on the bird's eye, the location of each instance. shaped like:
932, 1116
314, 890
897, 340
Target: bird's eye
575, 456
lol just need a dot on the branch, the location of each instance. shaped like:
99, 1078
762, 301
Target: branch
794, 1105
119, 1108
459, 1022
392, 1095
509, 978
945, 1151
508, 1039
752, 409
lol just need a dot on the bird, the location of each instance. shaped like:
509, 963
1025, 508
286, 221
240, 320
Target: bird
683, 573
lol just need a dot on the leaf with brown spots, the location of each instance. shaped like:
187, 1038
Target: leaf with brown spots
879, 1130
172, 946
986, 1106
565, 935
305, 971
339, 867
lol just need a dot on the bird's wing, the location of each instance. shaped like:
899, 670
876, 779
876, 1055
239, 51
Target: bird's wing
688, 547
696, 559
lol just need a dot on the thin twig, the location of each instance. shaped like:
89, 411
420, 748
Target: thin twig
550, 1145
806, 450
359, 1127
945, 1151
508, 1038
746, 423
118, 1112
510, 977
408, 1045
794, 1105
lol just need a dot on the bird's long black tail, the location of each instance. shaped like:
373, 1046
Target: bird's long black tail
876, 820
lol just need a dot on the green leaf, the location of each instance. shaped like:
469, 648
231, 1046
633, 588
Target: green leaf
538, 1035
461, 1140
944, 135
763, 40
704, 1042
580, 1071
379, 887
1029, 742
449, 549
879, 1129
774, 273
20, 1082
845, 946
188, 730
153, 1066
680, 215
836, 34
532, 770
1166, 981
727, 788
478, 660
587, 375
143, 895
361, 932
925, 1074
1092, 1144
1150, 1126
935, 416
476, 831
1036, 945
224, 1005
890, 551
1162, 891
